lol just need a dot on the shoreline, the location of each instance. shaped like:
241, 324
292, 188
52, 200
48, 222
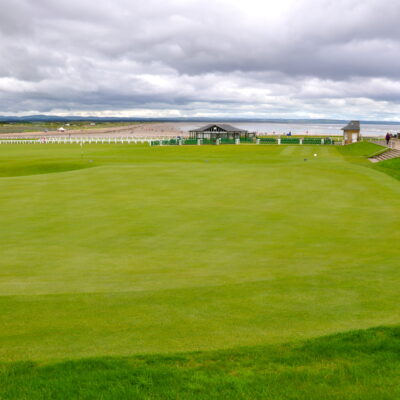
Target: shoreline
173, 129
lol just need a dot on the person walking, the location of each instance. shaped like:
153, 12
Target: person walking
387, 137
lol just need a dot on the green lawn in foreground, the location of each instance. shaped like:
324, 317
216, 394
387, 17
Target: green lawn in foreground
361, 365
129, 249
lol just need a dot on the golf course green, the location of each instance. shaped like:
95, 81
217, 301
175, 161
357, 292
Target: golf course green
121, 250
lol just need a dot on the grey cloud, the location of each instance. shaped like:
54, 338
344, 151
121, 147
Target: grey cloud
214, 56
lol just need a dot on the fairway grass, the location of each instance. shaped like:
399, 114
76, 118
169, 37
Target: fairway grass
117, 250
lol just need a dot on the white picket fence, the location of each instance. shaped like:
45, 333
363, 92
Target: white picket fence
80, 140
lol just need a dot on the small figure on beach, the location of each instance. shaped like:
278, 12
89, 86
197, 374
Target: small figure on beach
387, 137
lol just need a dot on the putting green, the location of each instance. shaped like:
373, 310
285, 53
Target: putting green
125, 249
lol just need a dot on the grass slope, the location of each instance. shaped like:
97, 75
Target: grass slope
360, 365
358, 152
171, 249
360, 149
390, 167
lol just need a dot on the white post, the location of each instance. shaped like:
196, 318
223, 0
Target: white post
301, 141
237, 141
279, 141
257, 141
322, 141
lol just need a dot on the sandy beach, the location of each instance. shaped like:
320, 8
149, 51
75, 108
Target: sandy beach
165, 129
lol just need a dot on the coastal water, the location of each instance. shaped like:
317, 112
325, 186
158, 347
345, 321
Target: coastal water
302, 128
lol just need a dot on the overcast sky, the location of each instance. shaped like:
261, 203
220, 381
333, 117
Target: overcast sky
222, 58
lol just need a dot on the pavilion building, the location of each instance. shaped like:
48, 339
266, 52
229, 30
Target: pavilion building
219, 131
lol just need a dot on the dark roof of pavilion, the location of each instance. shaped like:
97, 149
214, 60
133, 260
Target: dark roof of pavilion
352, 125
224, 127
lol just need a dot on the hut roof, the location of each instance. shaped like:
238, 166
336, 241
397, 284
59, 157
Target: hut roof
352, 126
224, 127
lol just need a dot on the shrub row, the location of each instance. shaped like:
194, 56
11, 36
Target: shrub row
264, 140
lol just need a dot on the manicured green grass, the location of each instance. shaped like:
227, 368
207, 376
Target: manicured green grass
165, 249
357, 153
360, 365
390, 167
360, 149
111, 251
